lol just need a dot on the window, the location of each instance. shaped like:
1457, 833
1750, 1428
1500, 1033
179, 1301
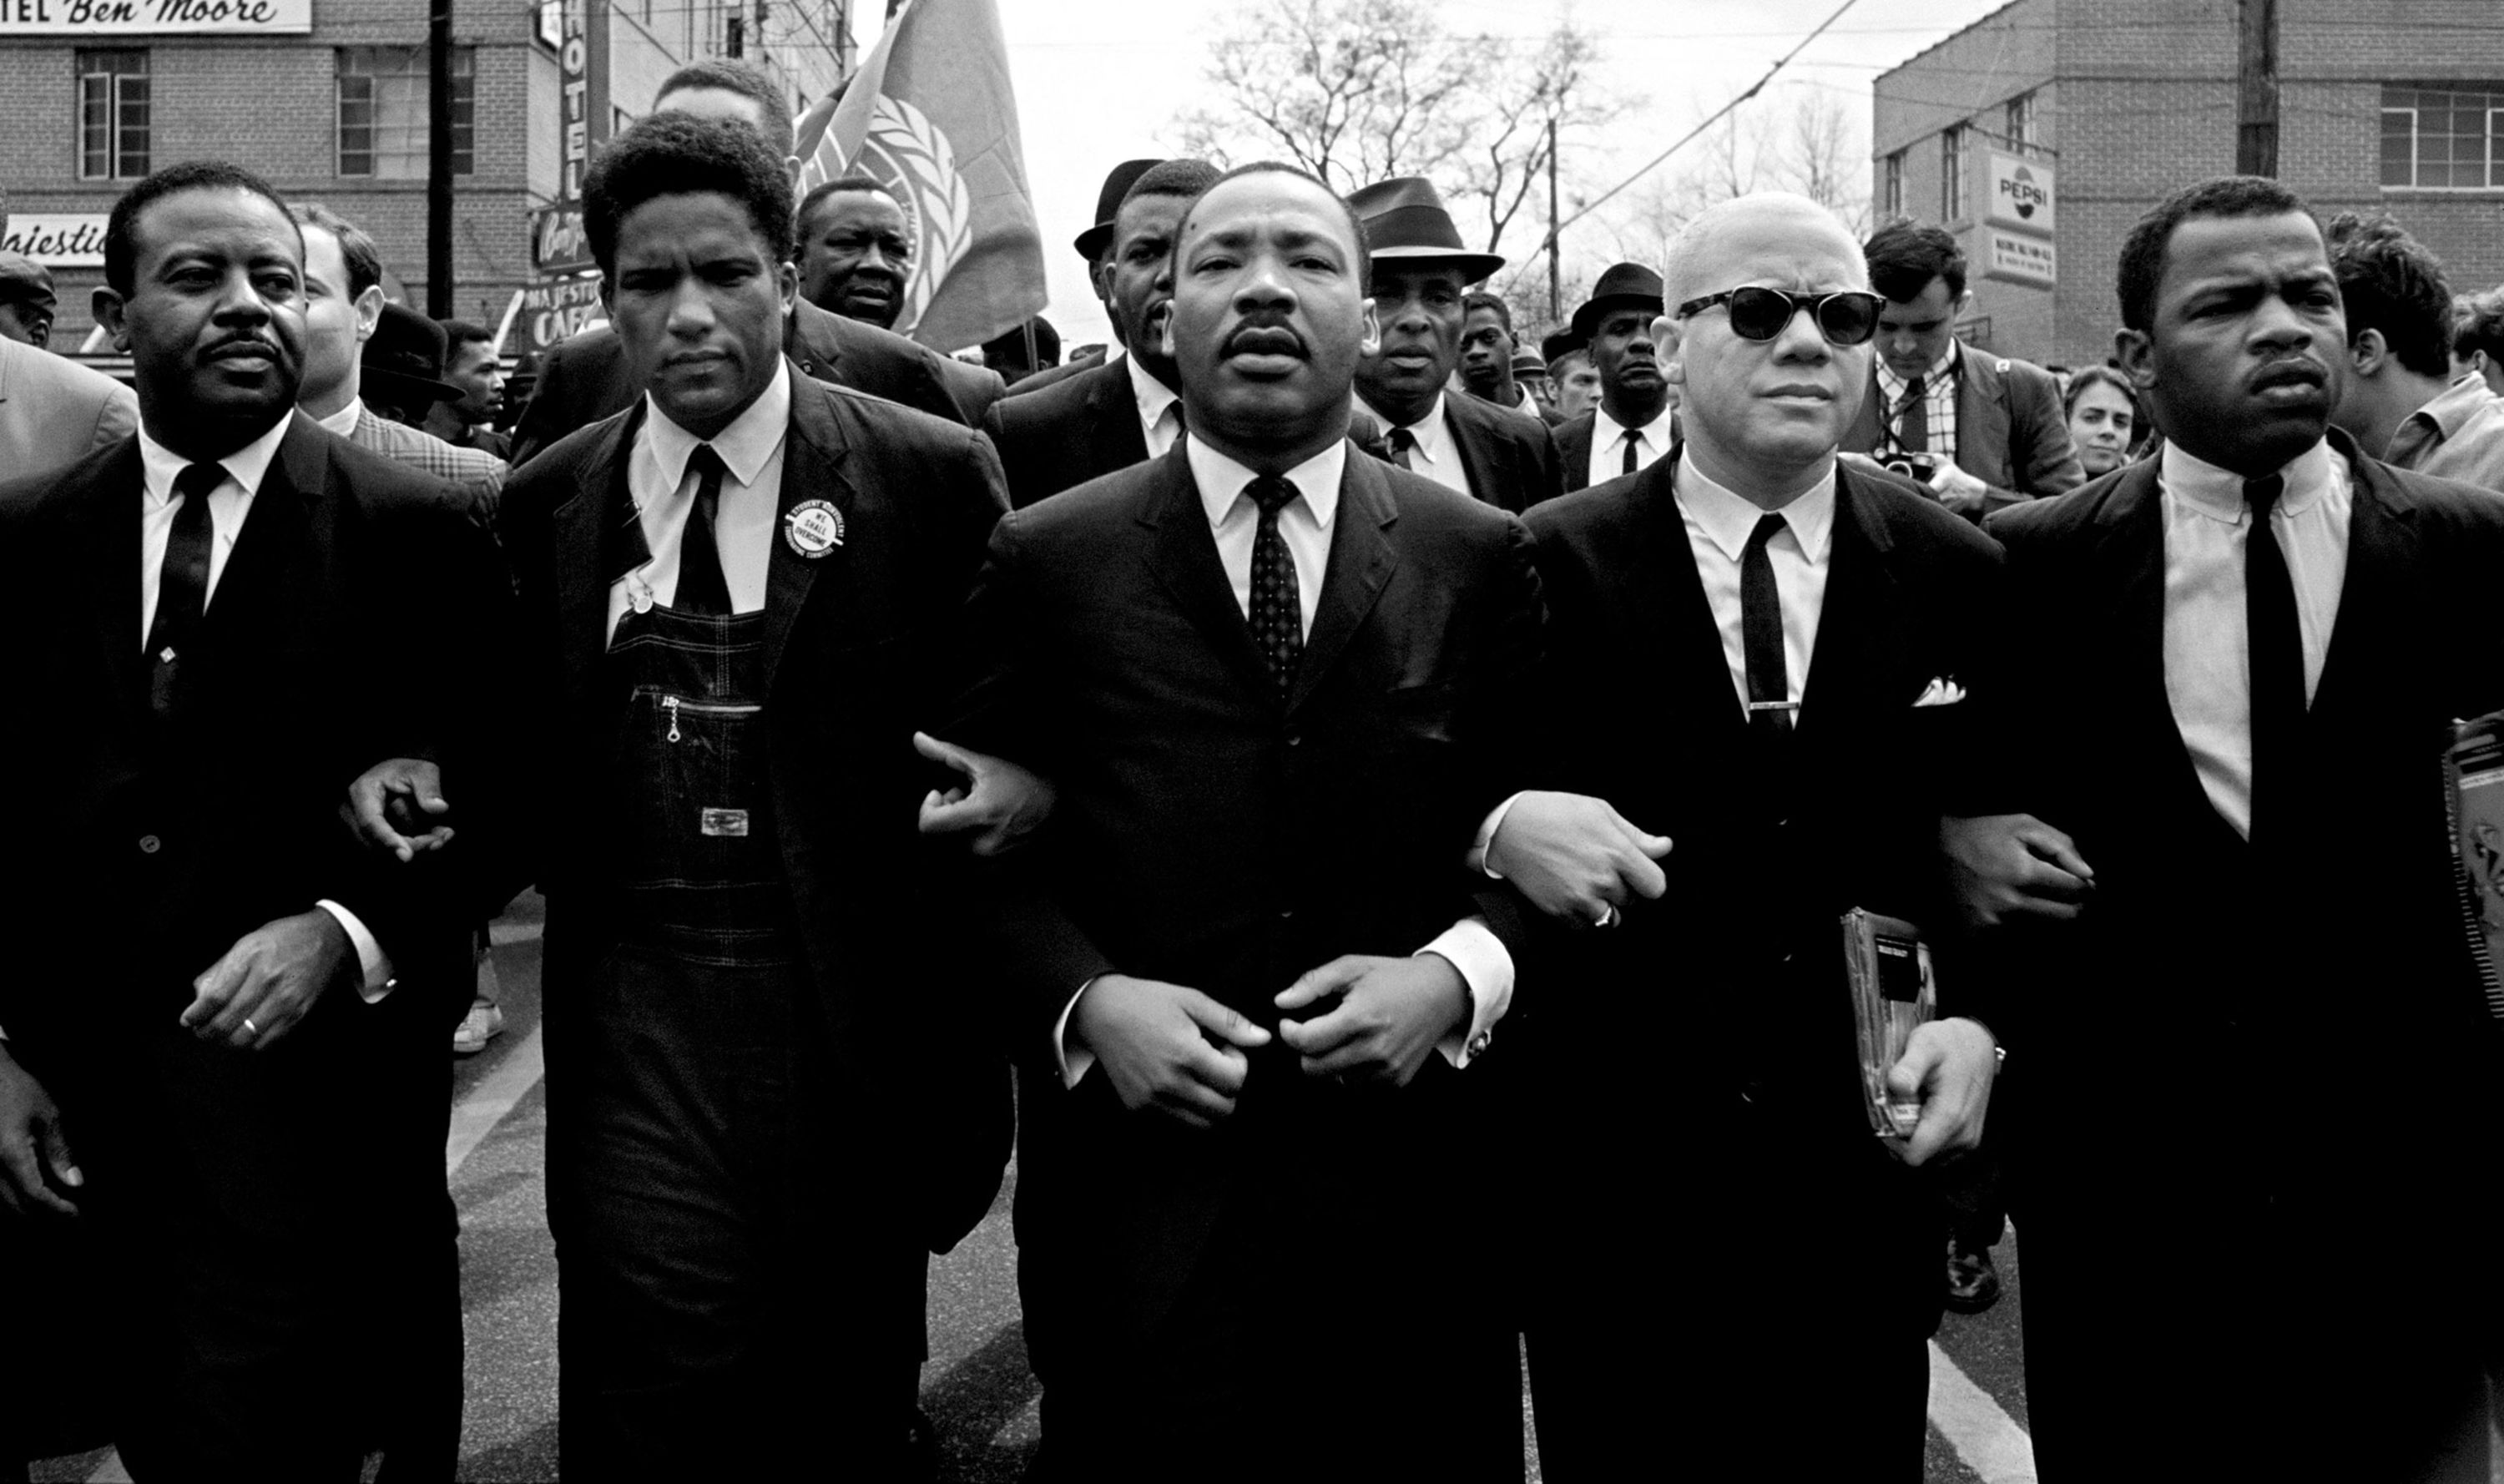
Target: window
2444, 138
113, 115
1890, 187
382, 110
1952, 173
2020, 128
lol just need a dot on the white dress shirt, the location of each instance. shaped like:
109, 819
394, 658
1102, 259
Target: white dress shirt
1437, 454
1609, 443
664, 491
344, 421
1304, 525
1719, 523
2207, 653
1160, 408
228, 505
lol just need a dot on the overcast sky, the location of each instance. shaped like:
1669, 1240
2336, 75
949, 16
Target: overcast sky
1102, 81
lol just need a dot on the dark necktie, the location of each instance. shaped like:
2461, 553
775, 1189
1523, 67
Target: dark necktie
1760, 634
702, 586
2277, 657
1402, 442
181, 582
1913, 419
1634, 446
1277, 611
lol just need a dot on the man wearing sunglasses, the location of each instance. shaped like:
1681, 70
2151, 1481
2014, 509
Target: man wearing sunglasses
1685, 603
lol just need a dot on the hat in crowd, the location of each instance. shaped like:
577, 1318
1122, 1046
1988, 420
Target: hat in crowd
403, 360
1404, 222
24, 281
1528, 364
1625, 285
1108, 205
1561, 344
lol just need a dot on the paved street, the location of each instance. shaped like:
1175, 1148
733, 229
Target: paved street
976, 1386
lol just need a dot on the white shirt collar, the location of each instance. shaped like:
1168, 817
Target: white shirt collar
1605, 429
1433, 434
1730, 518
246, 465
2218, 492
745, 445
1894, 385
1153, 396
1222, 480
344, 421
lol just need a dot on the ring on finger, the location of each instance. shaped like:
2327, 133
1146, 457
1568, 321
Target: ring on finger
1607, 916
249, 1028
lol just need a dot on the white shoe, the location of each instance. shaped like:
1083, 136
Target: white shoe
482, 1025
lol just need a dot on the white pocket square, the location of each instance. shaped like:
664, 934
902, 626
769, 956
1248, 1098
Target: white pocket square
1940, 692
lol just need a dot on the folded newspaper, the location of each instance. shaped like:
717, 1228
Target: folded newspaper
1893, 992
2473, 778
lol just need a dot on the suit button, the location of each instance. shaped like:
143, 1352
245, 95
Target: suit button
1294, 739
149, 845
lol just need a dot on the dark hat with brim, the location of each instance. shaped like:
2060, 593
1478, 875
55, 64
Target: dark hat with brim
1528, 364
24, 281
1627, 286
1563, 343
1404, 222
1092, 242
403, 358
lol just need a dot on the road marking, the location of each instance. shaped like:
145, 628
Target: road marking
1988, 1439
476, 1116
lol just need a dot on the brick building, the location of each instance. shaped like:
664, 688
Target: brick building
327, 100
2393, 104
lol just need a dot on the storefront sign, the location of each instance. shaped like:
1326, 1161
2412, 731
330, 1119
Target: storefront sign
101, 18
550, 311
2014, 257
573, 112
68, 241
2021, 195
558, 242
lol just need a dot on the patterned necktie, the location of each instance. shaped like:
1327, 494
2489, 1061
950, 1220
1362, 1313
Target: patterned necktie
1402, 442
1634, 446
1913, 419
2276, 656
702, 586
181, 582
1760, 634
1277, 611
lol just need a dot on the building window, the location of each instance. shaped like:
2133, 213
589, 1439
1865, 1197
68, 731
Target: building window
2444, 138
2020, 128
1890, 187
1952, 173
382, 110
113, 115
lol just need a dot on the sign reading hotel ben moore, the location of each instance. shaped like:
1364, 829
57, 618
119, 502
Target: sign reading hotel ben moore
154, 17
2018, 221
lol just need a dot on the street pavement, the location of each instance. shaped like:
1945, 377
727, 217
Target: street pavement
976, 1387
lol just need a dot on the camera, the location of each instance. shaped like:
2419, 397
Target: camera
1917, 468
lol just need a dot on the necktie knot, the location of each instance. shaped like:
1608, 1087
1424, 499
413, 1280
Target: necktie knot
2263, 496
1914, 386
1272, 494
707, 465
1768, 527
199, 479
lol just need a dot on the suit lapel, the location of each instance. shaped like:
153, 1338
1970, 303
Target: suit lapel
1114, 438
1477, 443
1675, 607
273, 535
1182, 555
595, 538
2377, 605
813, 456
111, 540
1982, 422
1361, 560
2131, 558
1860, 643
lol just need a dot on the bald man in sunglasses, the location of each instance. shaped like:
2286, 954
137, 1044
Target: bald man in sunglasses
1759, 666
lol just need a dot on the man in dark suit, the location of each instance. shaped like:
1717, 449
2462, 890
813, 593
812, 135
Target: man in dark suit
1097, 246
1800, 627
1421, 276
2263, 1025
222, 616
1266, 677
1992, 426
1635, 421
765, 1104
1127, 409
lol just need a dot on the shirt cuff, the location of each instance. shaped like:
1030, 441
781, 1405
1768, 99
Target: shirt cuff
1478, 851
376, 978
1074, 1060
1486, 969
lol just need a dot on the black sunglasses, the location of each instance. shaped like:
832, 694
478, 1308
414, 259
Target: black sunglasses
1846, 317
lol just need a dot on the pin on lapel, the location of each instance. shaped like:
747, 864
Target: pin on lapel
813, 527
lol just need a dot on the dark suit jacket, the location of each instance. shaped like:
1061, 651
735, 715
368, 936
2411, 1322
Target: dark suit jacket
583, 379
1054, 376
854, 654
2011, 433
1208, 836
1069, 432
2251, 977
1512, 461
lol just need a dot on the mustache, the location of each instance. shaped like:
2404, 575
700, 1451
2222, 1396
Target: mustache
247, 339
1264, 334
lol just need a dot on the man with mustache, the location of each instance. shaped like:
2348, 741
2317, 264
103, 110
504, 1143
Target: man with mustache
2263, 1026
1127, 408
1272, 681
1636, 417
244, 1110
1421, 274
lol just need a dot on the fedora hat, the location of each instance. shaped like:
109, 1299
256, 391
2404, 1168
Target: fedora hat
24, 281
1561, 344
403, 357
1625, 285
1108, 205
1404, 222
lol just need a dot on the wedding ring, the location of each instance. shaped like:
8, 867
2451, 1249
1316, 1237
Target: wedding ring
250, 1029
1607, 916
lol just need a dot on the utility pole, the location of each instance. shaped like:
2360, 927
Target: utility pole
2256, 88
1555, 275
438, 161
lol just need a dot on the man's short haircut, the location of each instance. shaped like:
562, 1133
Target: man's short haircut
2479, 325
839, 186
2142, 251
731, 74
120, 242
1356, 229
2389, 282
684, 154
1677, 269
1184, 178
1479, 298
356, 248
461, 332
1905, 255
1563, 365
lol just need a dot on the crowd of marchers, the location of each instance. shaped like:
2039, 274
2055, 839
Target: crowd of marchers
1396, 822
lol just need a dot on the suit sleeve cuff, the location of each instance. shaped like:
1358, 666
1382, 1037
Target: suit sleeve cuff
374, 968
1485, 967
1485, 841
1073, 1061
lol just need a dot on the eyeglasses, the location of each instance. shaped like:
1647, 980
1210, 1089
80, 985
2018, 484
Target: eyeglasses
1846, 317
